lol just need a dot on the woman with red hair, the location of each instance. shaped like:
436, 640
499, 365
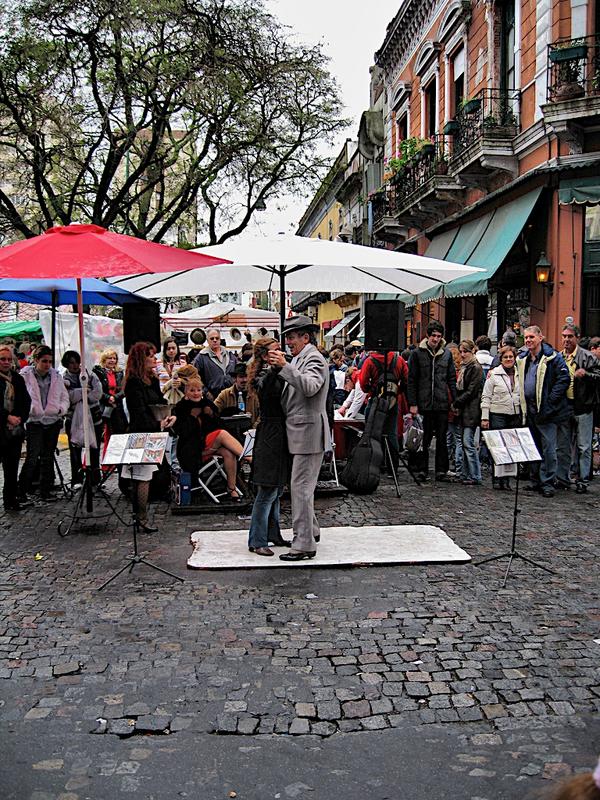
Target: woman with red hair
142, 390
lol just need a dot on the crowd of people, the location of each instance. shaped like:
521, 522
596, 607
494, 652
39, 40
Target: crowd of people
453, 392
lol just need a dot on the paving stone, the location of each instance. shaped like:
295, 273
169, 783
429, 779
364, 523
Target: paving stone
375, 723
156, 724
299, 727
353, 709
68, 668
416, 689
323, 728
121, 727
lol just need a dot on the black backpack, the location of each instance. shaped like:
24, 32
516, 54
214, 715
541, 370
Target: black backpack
388, 387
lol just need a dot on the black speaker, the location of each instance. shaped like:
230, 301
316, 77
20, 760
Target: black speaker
384, 325
141, 323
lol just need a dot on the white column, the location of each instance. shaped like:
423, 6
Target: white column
437, 98
446, 89
422, 113
542, 39
517, 44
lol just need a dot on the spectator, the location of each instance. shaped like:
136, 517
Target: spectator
215, 364
500, 401
167, 371
353, 404
595, 346
74, 422
431, 392
543, 382
228, 401
111, 403
509, 339
337, 371
14, 410
247, 351
49, 404
482, 354
575, 434
372, 382
454, 434
468, 405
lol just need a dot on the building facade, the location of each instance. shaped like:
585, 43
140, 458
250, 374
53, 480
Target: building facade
492, 148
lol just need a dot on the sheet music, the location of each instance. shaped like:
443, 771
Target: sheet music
136, 448
511, 446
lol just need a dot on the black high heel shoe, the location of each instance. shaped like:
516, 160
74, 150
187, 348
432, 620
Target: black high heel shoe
233, 495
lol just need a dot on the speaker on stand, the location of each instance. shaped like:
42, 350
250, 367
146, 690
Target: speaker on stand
141, 323
384, 325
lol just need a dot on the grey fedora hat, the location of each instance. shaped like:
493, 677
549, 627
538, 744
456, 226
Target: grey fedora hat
299, 323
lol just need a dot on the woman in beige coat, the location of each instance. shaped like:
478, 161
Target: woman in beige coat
500, 401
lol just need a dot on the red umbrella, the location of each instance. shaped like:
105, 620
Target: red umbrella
90, 251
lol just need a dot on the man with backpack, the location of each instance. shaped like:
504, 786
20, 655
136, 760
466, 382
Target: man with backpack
431, 391
389, 383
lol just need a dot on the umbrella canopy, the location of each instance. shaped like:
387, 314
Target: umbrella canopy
89, 251
59, 292
296, 263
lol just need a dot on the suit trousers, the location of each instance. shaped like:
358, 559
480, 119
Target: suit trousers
305, 472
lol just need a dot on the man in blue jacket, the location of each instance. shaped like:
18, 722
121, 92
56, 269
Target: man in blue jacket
543, 382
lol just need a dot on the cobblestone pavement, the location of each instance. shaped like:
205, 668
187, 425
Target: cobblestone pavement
381, 682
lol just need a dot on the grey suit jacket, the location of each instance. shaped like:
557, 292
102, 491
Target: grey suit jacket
304, 399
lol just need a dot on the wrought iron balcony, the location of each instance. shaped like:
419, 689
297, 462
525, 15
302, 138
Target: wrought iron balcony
432, 159
491, 114
573, 68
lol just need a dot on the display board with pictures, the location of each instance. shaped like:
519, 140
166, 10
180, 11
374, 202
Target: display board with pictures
136, 448
511, 446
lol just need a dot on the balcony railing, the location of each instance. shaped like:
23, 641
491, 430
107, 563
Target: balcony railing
573, 68
492, 113
432, 159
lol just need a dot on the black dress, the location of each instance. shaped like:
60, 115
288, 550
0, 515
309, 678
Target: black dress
192, 431
271, 462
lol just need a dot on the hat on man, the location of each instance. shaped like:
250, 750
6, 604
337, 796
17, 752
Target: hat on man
299, 324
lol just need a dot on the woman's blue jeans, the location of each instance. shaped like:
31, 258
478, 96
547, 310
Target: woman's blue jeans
264, 524
471, 468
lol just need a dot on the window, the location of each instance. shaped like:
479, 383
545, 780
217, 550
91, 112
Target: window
458, 80
430, 110
507, 47
401, 128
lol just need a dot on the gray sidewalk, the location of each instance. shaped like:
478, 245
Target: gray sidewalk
421, 681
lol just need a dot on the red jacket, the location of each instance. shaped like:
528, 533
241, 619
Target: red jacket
369, 375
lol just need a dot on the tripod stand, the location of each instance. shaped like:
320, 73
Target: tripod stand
66, 490
86, 495
512, 554
135, 558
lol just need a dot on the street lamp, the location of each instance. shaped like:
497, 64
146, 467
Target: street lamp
543, 273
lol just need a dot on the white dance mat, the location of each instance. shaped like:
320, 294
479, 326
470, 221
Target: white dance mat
385, 544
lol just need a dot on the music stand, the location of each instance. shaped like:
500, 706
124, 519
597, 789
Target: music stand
512, 446
128, 450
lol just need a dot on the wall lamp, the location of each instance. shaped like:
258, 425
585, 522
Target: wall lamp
544, 273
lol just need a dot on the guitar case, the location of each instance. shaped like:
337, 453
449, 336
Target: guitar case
362, 471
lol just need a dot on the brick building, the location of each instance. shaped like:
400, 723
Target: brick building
491, 118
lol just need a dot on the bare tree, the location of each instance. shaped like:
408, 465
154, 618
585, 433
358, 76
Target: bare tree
134, 114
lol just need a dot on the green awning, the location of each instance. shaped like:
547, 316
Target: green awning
579, 191
483, 242
439, 245
17, 328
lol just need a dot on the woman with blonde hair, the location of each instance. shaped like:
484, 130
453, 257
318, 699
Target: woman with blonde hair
111, 403
271, 459
467, 403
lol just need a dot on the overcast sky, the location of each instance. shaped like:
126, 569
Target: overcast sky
351, 32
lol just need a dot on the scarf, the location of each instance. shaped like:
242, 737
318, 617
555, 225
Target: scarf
9, 392
511, 376
460, 381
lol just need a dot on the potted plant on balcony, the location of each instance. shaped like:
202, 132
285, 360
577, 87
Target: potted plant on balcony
426, 147
470, 105
451, 127
568, 81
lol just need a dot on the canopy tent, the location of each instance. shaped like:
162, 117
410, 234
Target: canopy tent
18, 328
63, 291
483, 242
218, 313
83, 251
296, 263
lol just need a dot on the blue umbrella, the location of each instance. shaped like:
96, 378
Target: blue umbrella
63, 291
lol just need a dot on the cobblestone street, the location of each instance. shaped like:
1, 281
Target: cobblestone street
381, 682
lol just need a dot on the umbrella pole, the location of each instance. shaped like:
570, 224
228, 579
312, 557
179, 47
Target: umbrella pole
281, 305
54, 304
84, 387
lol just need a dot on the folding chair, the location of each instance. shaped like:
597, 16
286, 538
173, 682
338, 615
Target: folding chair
210, 470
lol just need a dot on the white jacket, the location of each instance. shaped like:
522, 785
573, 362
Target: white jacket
497, 395
57, 404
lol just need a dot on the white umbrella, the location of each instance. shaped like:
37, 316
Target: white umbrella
297, 263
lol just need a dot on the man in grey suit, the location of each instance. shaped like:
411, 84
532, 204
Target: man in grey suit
304, 399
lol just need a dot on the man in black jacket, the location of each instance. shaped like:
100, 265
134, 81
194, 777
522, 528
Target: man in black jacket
15, 403
431, 390
575, 434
